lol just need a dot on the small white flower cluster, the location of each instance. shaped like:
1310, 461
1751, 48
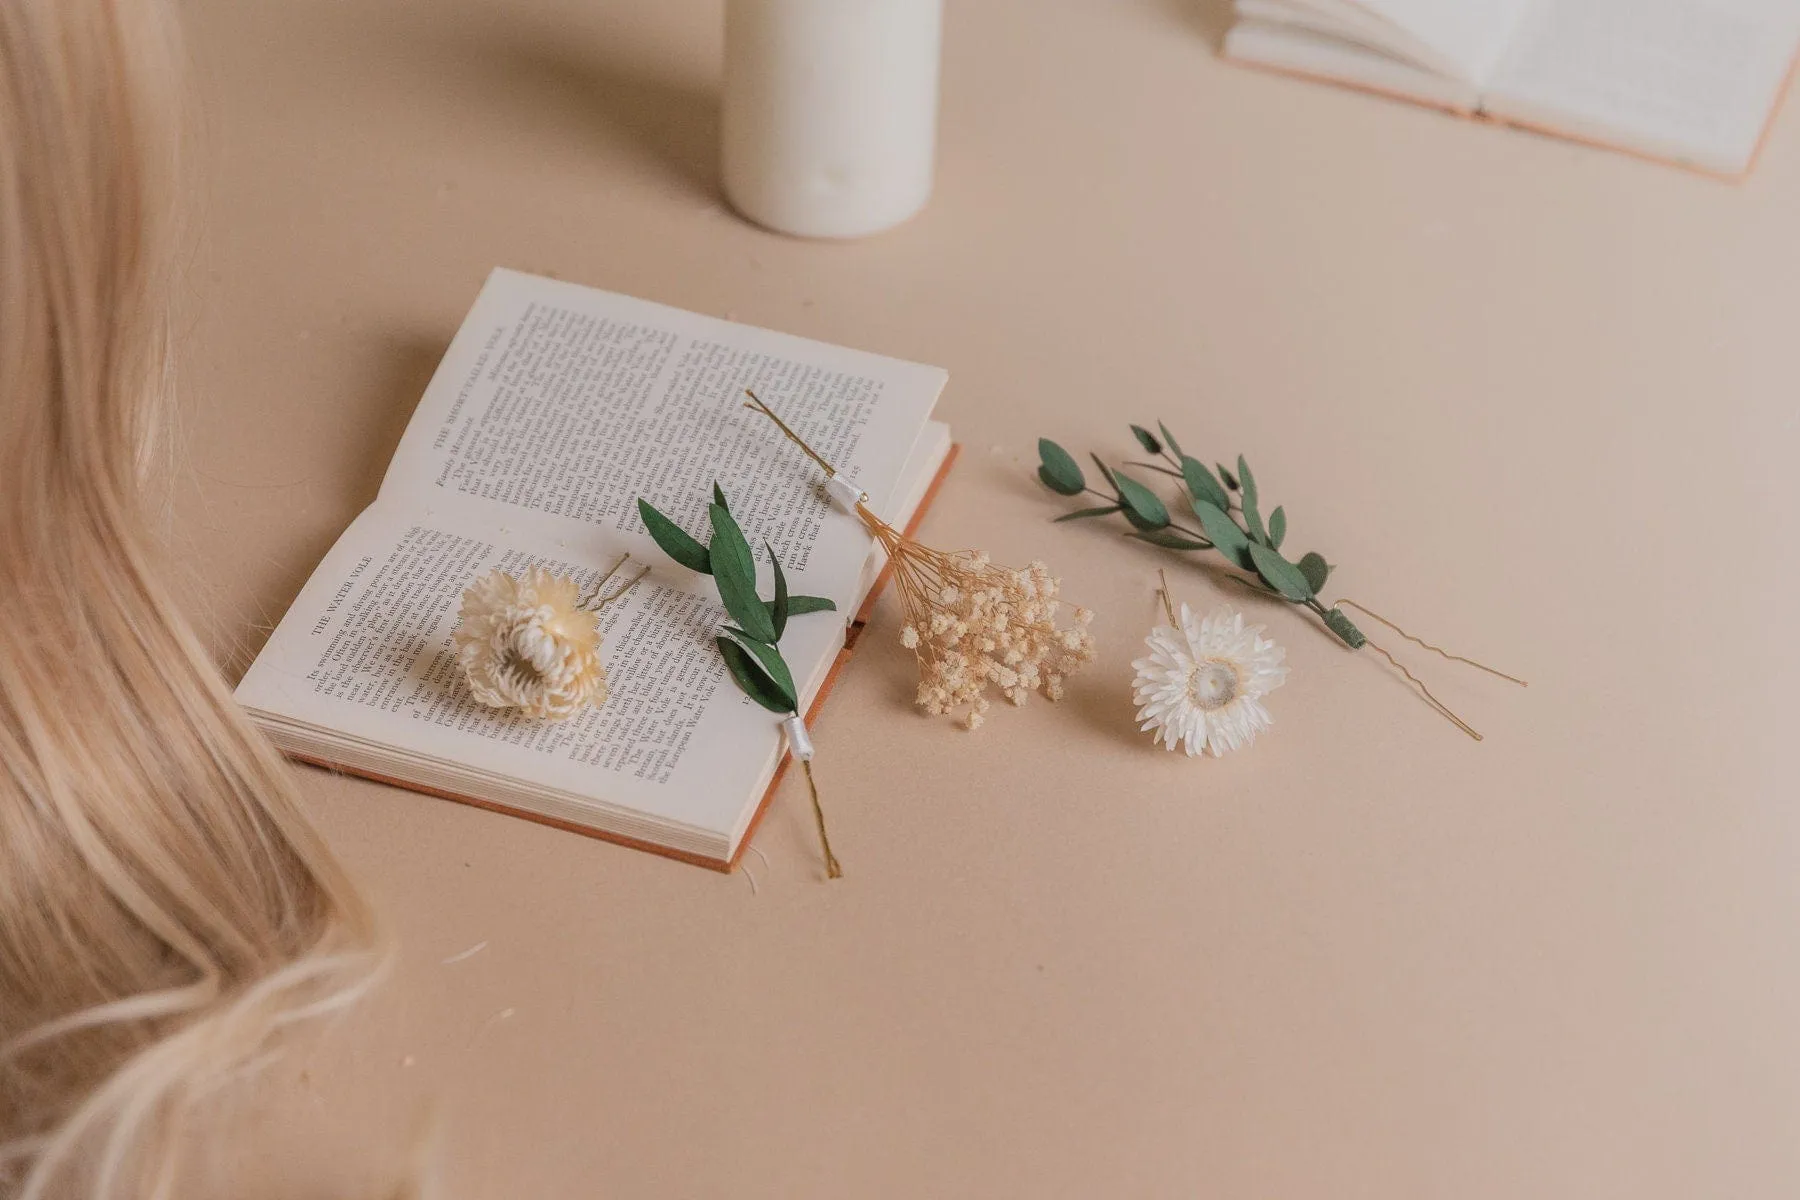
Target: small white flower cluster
527, 643
970, 623
982, 624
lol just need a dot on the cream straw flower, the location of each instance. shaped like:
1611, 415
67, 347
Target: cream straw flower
527, 643
1203, 682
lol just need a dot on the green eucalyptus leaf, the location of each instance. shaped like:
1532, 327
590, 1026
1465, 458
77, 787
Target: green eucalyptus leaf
1146, 439
1142, 506
674, 540
1201, 485
1280, 574
750, 676
1225, 534
778, 607
1230, 479
1316, 569
1169, 539
1058, 471
1247, 501
1253, 522
775, 667
719, 496
735, 570
799, 606
1338, 623
1277, 527
1104, 510
1107, 474
1170, 439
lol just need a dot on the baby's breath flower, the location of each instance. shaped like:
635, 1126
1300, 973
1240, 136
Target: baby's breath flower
974, 625
971, 623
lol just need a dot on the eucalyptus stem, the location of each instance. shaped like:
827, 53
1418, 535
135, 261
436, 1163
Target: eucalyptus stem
751, 647
1193, 533
1235, 524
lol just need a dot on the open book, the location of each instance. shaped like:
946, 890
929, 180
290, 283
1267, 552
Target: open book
1694, 82
554, 409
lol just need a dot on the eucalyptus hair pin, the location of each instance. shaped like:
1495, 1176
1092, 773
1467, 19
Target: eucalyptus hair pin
1228, 508
752, 646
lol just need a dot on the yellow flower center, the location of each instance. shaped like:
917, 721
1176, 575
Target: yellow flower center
1213, 684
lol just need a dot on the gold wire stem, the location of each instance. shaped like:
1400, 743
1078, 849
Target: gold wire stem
832, 870
629, 584
598, 597
1163, 591
1479, 666
1442, 708
618, 563
887, 534
765, 410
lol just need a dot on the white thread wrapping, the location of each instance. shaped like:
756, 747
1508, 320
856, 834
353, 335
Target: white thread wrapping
844, 494
799, 740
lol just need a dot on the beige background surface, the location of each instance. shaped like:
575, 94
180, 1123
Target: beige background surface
1539, 400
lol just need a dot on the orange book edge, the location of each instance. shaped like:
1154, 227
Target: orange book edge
852, 632
1545, 130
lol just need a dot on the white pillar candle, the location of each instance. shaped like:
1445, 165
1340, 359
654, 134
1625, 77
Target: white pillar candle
829, 125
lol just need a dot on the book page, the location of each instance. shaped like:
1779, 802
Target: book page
1343, 22
558, 406
1346, 21
1315, 56
1693, 80
366, 650
1467, 37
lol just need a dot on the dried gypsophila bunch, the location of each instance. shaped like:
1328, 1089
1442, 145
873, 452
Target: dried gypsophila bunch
972, 624
530, 642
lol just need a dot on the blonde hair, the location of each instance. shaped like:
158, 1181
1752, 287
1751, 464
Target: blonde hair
165, 909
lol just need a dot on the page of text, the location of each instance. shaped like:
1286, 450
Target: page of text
1692, 79
563, 405
367, 651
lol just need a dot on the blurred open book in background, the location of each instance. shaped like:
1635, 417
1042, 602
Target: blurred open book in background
1694, 82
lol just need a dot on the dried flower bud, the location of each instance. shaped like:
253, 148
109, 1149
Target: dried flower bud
526, 643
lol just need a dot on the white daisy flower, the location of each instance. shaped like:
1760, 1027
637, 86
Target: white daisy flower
1203, 682
527, 643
